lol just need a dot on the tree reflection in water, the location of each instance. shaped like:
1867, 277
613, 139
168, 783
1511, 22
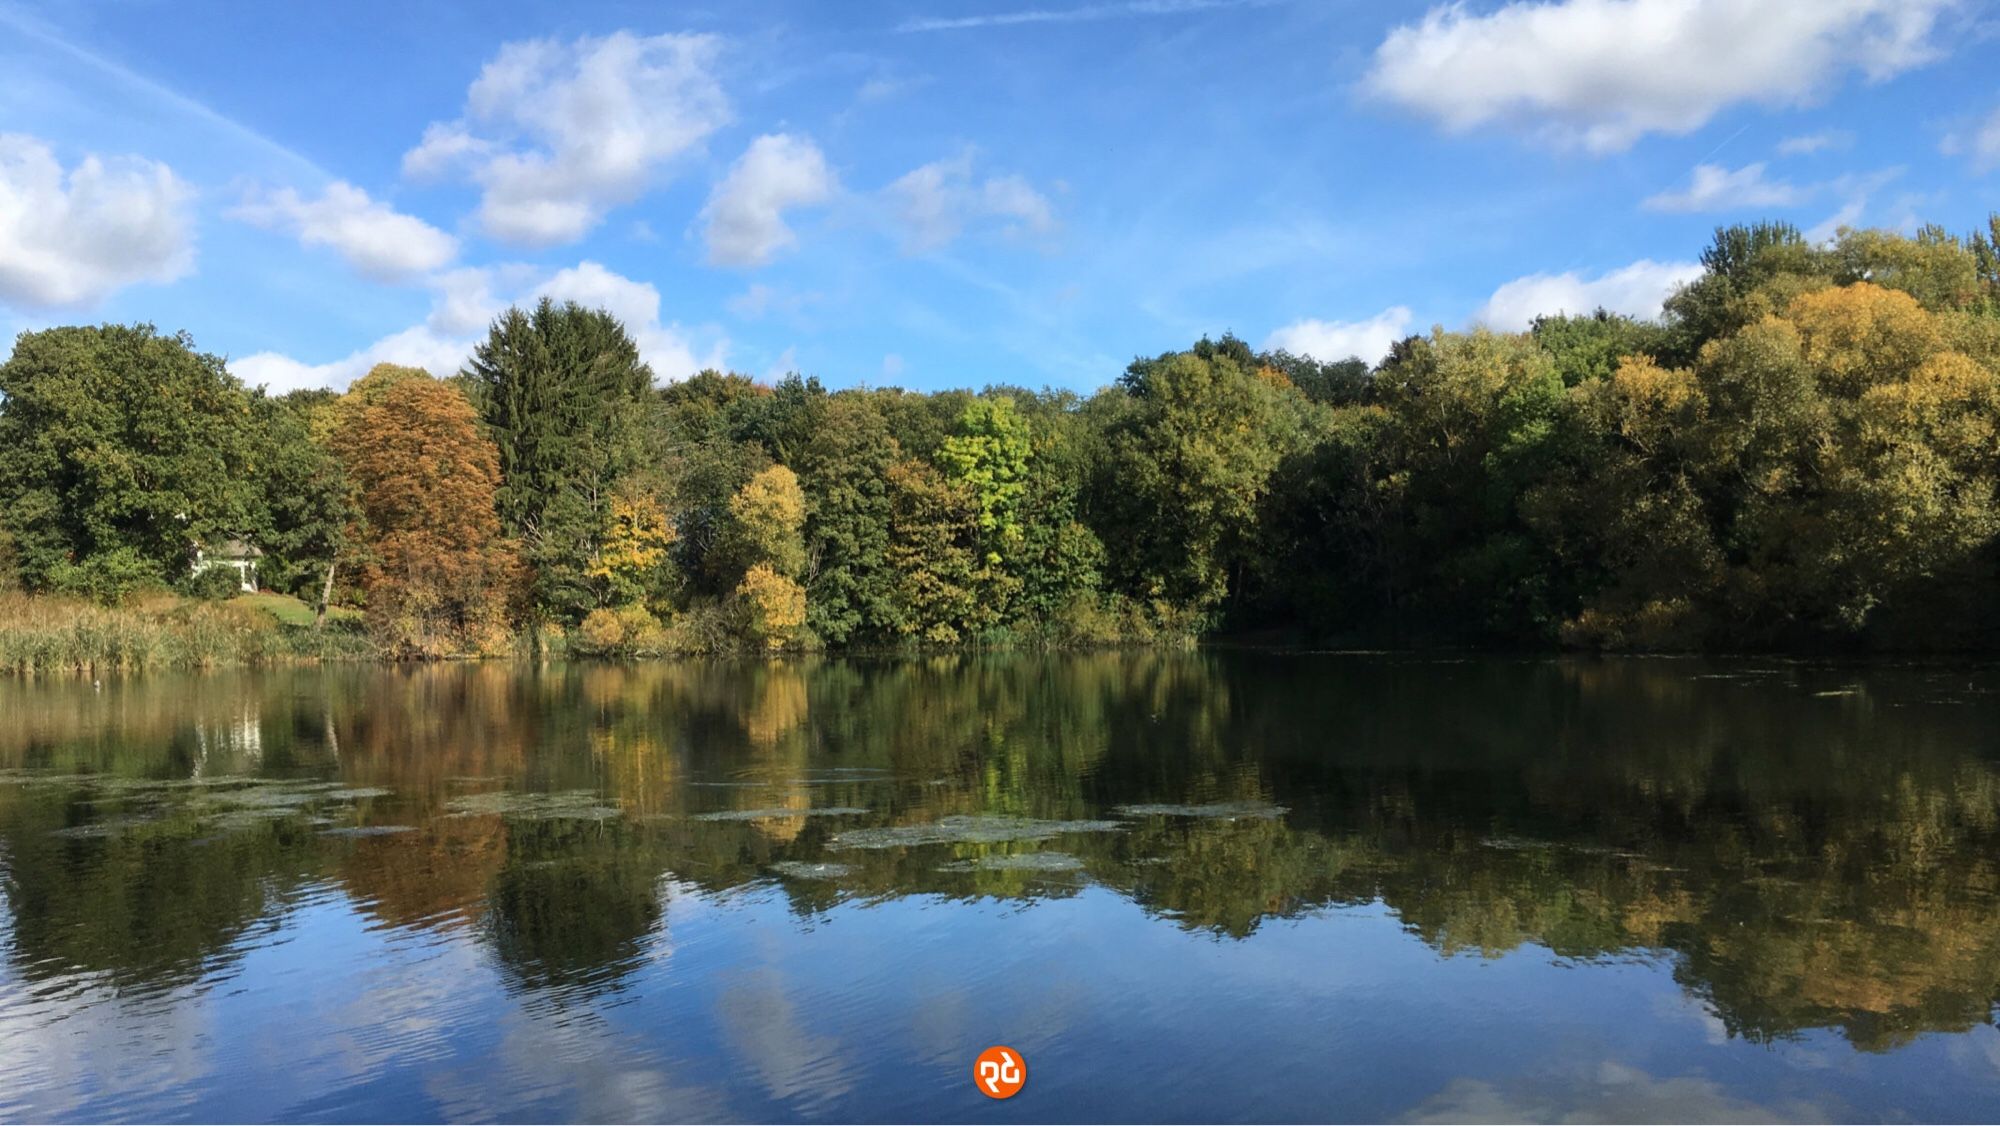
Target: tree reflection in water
1812, 846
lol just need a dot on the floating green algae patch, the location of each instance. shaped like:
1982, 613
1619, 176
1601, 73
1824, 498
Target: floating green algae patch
1218, 811
761, 814
556, 805
807, 870
968, 829
1020, 862
223, 804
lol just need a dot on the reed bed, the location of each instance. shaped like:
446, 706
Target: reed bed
41, 634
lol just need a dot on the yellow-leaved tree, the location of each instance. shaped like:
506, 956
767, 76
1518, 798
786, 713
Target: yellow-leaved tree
766, 537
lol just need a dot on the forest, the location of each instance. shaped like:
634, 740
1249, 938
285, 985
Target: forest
1801, 452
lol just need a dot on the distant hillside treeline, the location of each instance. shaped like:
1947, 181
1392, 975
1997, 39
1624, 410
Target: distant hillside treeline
1802, 452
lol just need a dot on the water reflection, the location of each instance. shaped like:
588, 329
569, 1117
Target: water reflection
1804, 849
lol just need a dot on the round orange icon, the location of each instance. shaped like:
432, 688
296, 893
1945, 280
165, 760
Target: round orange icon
999, 1072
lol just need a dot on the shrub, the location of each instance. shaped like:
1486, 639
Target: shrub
626, 631
775, 606
107, 577
10, 562
212, 584
601, 632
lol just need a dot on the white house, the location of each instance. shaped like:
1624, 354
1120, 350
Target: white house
235, 554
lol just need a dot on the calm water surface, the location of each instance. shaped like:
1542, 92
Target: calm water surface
1204, 886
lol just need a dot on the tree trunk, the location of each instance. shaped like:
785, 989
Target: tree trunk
325, 596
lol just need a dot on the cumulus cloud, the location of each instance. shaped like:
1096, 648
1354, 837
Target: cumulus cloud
934, 203
69, 239
420, 346
1328, 341
744, 222
668, 347
374, 238
465, 302
557, 134
1715, 188
1981, 142
1600, 74
1636, 291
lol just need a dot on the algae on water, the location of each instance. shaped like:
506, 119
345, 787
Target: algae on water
807, 870
1218, 811
1020, 862
556, 805
779, 811
968, 829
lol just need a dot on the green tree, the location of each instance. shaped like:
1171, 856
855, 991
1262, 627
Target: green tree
566, 398
1475, 420
304, 503
934, 525
1190, 462
120, 450
989, 452
1591, 347
844, 475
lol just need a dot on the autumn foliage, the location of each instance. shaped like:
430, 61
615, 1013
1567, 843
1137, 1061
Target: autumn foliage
439, 576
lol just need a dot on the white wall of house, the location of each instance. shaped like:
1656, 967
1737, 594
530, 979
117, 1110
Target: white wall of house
246, 570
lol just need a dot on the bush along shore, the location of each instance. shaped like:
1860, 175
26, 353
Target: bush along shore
1800, 452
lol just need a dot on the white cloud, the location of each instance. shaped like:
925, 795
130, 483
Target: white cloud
1855, 189
419, 346
1824, 140
371, 236
1636, 291
463, 306
1849, 215
933, 203
1600, 74
557, 134
463, 300
667, 347
1328, 341
70, 239
1981, 142
744, 222
1715, 188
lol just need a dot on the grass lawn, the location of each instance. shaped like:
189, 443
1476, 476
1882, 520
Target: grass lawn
291, 611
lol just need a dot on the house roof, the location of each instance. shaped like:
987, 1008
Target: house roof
232, 549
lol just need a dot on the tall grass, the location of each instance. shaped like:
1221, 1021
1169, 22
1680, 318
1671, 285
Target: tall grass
57, 635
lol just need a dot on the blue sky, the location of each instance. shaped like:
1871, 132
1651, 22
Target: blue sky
946, 194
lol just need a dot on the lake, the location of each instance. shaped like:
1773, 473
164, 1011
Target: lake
1186, 886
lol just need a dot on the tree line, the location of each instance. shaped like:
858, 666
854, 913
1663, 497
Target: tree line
1803, 450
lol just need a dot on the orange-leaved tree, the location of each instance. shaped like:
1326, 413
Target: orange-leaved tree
440, 577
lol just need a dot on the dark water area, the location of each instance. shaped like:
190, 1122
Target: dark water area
1198, 886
